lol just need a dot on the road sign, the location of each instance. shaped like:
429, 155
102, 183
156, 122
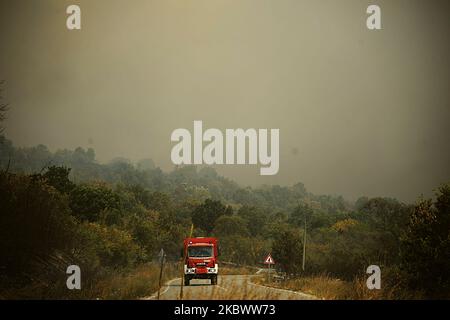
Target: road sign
162, 256
269, 260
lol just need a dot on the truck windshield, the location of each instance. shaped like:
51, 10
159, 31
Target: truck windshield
200, 252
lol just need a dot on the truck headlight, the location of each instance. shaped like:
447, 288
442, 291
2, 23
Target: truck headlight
213, 270
188, 270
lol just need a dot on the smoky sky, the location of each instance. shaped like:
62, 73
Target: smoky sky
360, 112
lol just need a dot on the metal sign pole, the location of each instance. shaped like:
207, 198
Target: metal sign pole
162, 258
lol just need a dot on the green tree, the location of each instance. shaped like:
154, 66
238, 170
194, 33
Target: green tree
205, 215
298, 215
58, 177
426, 245
387, 220
243, 250
254, 219
88, 201
3, 107
233, 225
158, 201
344, 250
287, 250
35, 222
114, 247
144, 230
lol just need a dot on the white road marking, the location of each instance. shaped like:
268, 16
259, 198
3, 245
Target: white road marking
285, 290
167, 285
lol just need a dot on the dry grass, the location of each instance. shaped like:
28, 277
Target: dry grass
236, 270
326, 287
142, 282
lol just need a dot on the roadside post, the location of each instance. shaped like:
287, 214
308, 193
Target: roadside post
162, 260
182, 265
269, 261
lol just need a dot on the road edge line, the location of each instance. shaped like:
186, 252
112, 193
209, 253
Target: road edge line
167, 285
310, 296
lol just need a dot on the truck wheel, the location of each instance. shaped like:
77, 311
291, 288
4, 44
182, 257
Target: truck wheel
214, 280
187, 281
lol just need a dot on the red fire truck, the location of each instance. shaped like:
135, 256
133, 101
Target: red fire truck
201, 259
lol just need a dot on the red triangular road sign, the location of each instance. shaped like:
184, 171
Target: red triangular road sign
269, 260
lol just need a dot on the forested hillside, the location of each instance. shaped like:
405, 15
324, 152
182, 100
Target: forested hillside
66, 208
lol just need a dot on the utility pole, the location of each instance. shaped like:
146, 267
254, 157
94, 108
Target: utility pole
304, 245
304, 237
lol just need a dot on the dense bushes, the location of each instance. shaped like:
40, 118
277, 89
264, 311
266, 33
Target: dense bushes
89, 201
35, 222
114, 247
287, 248
47, 224
426, 245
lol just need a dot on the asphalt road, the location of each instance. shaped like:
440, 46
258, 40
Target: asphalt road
228, 287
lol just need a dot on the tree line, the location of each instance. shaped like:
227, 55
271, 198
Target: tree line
63, 207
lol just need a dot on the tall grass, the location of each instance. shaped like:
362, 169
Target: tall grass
228, 270
325, 287
141, 282
136, 283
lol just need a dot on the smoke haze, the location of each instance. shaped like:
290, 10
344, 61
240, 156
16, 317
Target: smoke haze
360, 112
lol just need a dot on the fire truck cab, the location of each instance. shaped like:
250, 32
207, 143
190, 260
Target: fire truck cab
200, 259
